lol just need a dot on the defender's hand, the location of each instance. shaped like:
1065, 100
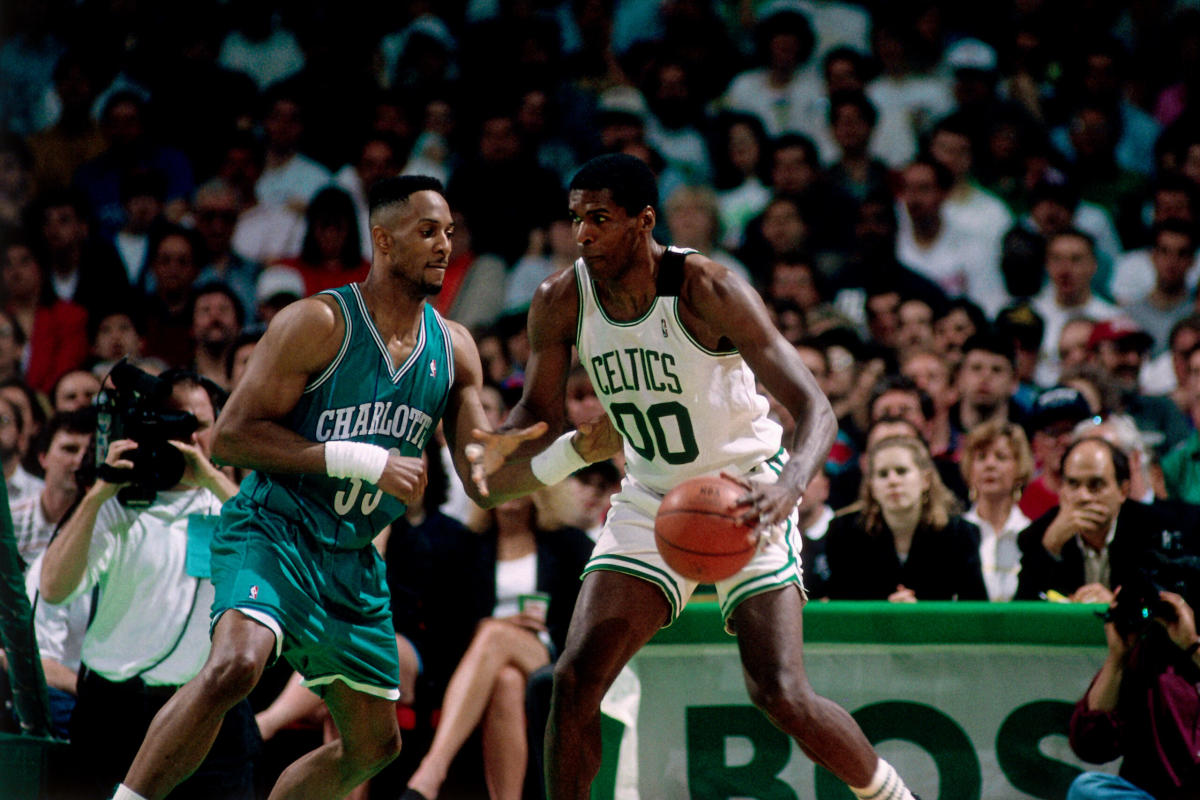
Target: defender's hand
491, 449
597, 439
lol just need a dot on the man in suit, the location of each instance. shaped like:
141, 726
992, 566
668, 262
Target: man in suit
1096, 538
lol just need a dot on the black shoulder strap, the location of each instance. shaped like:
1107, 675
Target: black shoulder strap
670, 273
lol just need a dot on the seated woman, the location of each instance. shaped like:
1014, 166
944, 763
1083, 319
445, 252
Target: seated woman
904, 543
998, 464
524, 581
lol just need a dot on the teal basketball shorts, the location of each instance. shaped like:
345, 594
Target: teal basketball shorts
626, 544
329, 609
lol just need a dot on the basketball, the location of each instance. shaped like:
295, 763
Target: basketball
698, 533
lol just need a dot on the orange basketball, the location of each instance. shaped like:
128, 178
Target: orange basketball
698, 533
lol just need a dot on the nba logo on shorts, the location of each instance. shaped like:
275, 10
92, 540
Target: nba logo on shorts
433, 369
253, 592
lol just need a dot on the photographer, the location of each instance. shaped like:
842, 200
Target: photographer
1143, 703
149, 632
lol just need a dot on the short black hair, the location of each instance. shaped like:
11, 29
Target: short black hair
185, 377
628, 178
990, 342
790, 140
82, 421
856, 98
902, 383
389, 191
1074, 233
1119, 459
941, 174
1175, 226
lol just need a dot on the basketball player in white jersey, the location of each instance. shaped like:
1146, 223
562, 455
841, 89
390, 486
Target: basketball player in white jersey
673, 343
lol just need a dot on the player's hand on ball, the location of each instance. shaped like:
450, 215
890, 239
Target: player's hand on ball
767, 504
597, 439
491, 449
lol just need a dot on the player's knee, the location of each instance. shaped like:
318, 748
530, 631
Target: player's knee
510, 682
785, 698
231, 674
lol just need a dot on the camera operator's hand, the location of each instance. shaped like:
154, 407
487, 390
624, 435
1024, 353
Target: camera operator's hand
404, 477
116, 458
1182, 629
201, 472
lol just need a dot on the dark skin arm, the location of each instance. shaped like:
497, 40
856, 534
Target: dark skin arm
503, 467
301, 341
716, 305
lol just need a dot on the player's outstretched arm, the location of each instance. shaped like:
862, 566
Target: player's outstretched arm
300, 342
729, 307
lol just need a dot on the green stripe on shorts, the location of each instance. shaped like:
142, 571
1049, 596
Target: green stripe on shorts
639, 569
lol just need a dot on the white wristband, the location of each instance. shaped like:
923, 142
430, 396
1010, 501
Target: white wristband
558, 461
355, 460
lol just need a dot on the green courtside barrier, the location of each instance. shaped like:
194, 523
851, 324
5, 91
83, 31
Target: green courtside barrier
969, 701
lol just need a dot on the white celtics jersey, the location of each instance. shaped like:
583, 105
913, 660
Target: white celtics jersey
682, 409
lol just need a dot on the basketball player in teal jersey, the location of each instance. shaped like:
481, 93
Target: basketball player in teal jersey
673, 343
338, 401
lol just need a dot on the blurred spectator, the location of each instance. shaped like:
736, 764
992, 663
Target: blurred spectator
83, 268
1070, 263
739, 150
289, 178
60, 451
852, 120
76, 137
906, 543
130, 148
21, 484
1120, 348
985, 383
930, 244
550, 250
908, 100
1092, 542
31, 48
54, 331
782, 230
997, 465
33, 418
541, 119
16, 180
116, 333
74, 390
173, 254
264, 232
331, 254
954, 323
693, 222
781, 92
216, 208
931, 374
473, 287
422, 55
915, 315
1174, 202
1020, 325
968, 206
1181, 464
1102, 76
1051, 422
1073, 343
142, 196
277, 286
676, 118
1094, 128
1170, 299
498, 160
1167, 374
260, 46
217, 318
378, 156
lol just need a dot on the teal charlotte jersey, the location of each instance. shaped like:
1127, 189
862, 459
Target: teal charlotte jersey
362, 397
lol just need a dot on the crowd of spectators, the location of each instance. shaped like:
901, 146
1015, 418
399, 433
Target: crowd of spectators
977, 223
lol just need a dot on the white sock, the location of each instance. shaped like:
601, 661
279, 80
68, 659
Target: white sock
886, 785
125, 793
